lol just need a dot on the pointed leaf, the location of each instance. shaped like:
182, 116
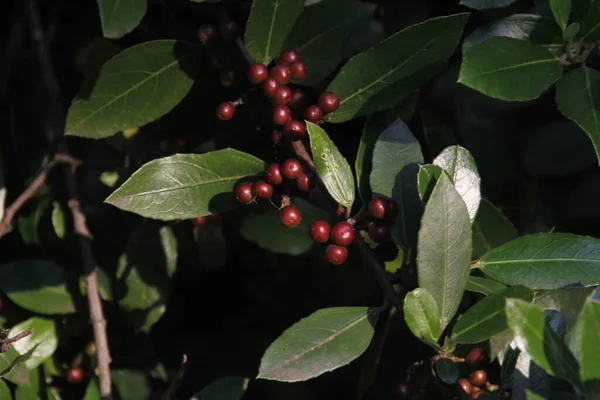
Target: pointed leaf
509, 69
561, 10
43, 338
186, 185
483, 4
484, 286
490, 229
588, 345
422, 316
444, 248
133, 88
545, 261
427, 178
332, 167
120, 17
15, 358
590, 28
324, 341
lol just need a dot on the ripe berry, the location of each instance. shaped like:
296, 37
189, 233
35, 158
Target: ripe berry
342, 234
465, 385
243, 192
269, 87
262, 189
291, 168
225, 111
477, 356
199, 221
282, 74
475, 393
281, 115
276, 137
313, 113
379, 232
282, 96
290, 216
478, 377
74, 375
298, 70
273, 174
305, 182
336, 254
329, 102
294, 130
227, 77
404, 390
257, 73
379, 208
319, 231
206, 33
229, 30
288, 56
299, 99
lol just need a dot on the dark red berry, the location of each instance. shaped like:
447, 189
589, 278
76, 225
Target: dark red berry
282, 96
291, 168
336, 254
199, 221
229, 30
305, 182
262, 189
313, 113
74, 375
243, 192
206, 33
282, 74
404, 390
2, 301
342, 234
269, 87
281, 115
379, 208
475, 393
294, 130
478, 377
298, 70
319, 231
477, 356
299, 99
290, 216
276, 137
379, 232
288, 56
393, 209
465, 385
329, 102
225, 111
273, 174
257, 73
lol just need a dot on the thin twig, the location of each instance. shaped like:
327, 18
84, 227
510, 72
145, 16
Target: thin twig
7, 342
177, 379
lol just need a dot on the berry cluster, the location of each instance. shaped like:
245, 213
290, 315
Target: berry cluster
382, 211
341, 234
478, 378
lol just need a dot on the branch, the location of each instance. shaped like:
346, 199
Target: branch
177, 379
7, 342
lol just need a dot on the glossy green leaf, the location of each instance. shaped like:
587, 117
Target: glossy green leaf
509, 69
399, 56
324, 341
545, 261
394, 175
578, 98
444, 248
426, 180
225, 388
37, 285
483, 4
533, 334
4, 391
484, 286
11, 359
131, 384
561, 10
119, 17
422, 316
186, 186
487, 318
590, 27
92, 392
332, 167
446, 370
490, 229
269, 24
43, 338
58, 220
588, 345
137, 86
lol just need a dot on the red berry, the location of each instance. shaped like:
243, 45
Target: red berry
276, 137
199, 221
465, 385
229, 30
257, 73
206, 33
1, 303
291, 169
288, 56
404, 390
281, 115
282, 95
294, 130
477, 356
298, 70
299, 99
74, 375
262, 189
319, 231
379, 208
336, 254
227, 77
269, 87
313, 113
243, 192
290, 216
273, 174
379, 232
305, 182
282, 74
475, 393
342, 234
225, 111
478, 377
329, 102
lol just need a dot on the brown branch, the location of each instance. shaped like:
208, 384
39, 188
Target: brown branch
7, 342
177, 379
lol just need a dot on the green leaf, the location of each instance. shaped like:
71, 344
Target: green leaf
58, 219
11, 359
484, 286
572, 31
4, 391
320, 39
324, 341
394, 175
588, 345
427, 178
332, 167
509, 69
487, 318
104, 285
580, 8
490, 229
578, 98
483, 4
533, 396
444, 248
402, 55
92, 392
269, 23
43, 338
120, 17
446, 370
186, 186
561, 10
137, 86
568, 302
37, 285
590, 28
533, 334
422, 316
545, 261
225, 388
131, 384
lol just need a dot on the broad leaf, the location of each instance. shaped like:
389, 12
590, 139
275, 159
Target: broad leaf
484, 286
509, 69
186, 186
588, 345
37, 285
137, 86
92, 392
426, 180
578, 98
4, 391
446, 370
490, 229
269, 23
43, 340
120, 17
483, 4
225, 388
545, 261
580, 8
332, 167
487, 318
11, 359
422, 316
561, 10
131, 384
590, 28
569, 302
324, 341
444, 248
399, 56
533, 334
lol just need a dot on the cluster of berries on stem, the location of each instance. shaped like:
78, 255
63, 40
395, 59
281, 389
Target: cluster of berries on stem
477, 381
